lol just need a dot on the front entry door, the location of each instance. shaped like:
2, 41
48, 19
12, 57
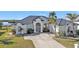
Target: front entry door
38, 27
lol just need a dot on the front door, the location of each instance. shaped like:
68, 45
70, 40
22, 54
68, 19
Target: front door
38, 27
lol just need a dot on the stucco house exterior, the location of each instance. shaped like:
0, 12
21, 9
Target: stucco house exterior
37, 23
66, 27
40, 23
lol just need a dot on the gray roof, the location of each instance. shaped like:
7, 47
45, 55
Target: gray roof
30, 19
62, 21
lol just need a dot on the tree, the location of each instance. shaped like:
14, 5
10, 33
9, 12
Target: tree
72, 17
52, 19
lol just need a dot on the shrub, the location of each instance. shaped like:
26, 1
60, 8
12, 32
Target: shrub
30, 31
45, 30
62, 34
77, 32
13, 31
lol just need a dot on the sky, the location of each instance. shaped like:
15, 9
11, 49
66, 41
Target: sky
62, 14
18, 15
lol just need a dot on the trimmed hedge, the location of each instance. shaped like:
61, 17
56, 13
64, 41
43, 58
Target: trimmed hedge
45, 30
30, 31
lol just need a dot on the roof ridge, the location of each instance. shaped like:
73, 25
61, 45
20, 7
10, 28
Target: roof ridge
34, 16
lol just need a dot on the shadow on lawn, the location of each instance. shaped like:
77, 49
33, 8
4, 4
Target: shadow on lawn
6, 42
1, 33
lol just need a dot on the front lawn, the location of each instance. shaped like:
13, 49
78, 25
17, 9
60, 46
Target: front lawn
1, 33
13, 41
69, 43
17, 42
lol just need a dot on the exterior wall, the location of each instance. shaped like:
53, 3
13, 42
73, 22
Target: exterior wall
17, 32
71, 28
57, 28
29, 26
23, 27
77, 27
33, 26
64, 29
51, 28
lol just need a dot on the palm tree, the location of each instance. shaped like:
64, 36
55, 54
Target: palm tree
52, 19
72, 17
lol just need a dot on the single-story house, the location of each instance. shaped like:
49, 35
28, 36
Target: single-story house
40, 23
36, 23
6, 24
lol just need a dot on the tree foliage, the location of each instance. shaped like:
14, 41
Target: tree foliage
72, 16
52, 17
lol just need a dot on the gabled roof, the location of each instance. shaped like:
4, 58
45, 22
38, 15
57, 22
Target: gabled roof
30, 19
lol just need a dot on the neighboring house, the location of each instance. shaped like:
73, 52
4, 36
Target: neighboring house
6, 23
66, 27
37, 23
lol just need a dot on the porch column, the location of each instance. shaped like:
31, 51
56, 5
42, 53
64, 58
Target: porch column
34, 27
50, 27
41, 27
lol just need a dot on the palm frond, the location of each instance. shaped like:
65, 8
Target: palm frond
53, 17
72, 16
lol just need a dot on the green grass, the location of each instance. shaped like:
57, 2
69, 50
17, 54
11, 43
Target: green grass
7, 41
68, 43
18, 42
1, 33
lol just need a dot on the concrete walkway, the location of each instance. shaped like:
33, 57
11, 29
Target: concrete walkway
44, 40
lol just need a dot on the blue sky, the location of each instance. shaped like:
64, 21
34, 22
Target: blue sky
17, 15
61, 14
8, 15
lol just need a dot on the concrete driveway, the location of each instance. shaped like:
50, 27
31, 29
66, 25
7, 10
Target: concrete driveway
43, 40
